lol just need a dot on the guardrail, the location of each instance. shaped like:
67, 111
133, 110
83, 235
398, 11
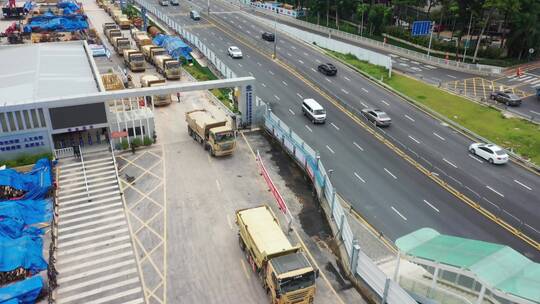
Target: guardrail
360, 264
441, 62
63, 153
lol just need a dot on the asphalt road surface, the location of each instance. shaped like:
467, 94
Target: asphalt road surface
392, 194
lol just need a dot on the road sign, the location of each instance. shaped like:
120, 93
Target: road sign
531, 50
421, 28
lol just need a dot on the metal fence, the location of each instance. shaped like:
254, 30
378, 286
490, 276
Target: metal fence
361, 265
441, 62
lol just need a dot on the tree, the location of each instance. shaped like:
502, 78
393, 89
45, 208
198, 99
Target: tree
378, 17
524, 31
361, 10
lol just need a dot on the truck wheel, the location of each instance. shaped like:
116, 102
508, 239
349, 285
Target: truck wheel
190, 132
212, 152
241, 243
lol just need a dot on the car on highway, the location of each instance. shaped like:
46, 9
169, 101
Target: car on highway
378, 117
234, 52
164, 2
175, 2
327, 69
508, 98
268, 36
490, 152
194, 15
313, 110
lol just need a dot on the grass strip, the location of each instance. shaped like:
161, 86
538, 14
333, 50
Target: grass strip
516, 134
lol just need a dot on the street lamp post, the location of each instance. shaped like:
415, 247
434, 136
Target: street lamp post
468, 39
208, 7
275, 36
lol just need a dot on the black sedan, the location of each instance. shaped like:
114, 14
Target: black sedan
506, 97
327, 69
268, 36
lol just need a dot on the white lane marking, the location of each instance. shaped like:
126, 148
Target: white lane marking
451, 164
523, 185
318, 61
346, 78
218, 186
248, 32
328, 80
240, 65
451, 76
365, 105
212, 44
387, 171
271, 73
414, 139
365, 90
259, 64
386, 103
344, 91
293, 47
250, 74
358, 146
500, 194
534, 112
333, 125
292, 112
358, 176
277, 97
313, 70
476, 159
289, 54
300, 61
431, 206
409, 118
330, 149
305, 54
398, 213
440, 137
309, 129
404, 59
283, 81
298, 94
262, 83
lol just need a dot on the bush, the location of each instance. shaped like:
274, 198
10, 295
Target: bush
24, 160
136, 142
124, 144
147, 141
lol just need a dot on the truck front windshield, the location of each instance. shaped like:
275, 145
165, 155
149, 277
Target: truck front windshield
297, 282
173, 65
223, 137
137, 58
160, 53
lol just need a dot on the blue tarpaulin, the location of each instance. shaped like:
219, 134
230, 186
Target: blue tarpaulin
174, 46
52, 22
16, 216
23, 292
25, 252
35, 183
28, 5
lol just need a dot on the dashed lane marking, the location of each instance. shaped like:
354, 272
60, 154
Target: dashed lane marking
523, 185
399, 213
440, 137
333, 125
330, 149
309, 129
360, 178
429, 204
450, 163
409, 118
390, 173
358, 146
497, 192
292, 112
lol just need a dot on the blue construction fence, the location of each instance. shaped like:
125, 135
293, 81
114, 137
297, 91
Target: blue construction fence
361, 266
25, 207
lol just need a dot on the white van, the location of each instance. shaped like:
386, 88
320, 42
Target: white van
314, 111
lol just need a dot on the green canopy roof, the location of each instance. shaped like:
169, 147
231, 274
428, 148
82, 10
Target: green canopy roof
499, 267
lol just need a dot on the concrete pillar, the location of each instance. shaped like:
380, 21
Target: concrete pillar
354, 256
385, 291
434, 280
396, 271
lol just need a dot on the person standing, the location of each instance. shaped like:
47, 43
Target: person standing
178, 96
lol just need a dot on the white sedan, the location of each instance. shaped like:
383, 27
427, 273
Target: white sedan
490, 152
234, 52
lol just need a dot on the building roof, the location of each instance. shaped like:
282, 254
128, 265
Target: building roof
500, 267
37, 71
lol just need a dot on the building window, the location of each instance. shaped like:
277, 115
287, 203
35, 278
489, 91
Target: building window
42, 118
19, 120
3, 122
34, 118
137, 131
11, 121
27, 119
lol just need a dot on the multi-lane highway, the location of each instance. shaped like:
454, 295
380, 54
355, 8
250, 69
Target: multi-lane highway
395, 196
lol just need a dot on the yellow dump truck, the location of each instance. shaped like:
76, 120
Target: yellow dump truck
113, 33
285, 272
141, 38
150, 80
213, 133
123, 22
151, 50
120, 44
109, 26
134, 60
167, 66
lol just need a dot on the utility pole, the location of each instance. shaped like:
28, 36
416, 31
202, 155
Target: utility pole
208, 7
274, 56
468, 38
430, 37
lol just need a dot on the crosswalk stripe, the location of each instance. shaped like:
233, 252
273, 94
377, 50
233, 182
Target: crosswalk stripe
62, 245
90, 186
108, 219
94, 245
88, 231
94, 281
94, 271
83, 205
82, 218
90, 181
116, 296
75, 213
91, 171
136, 301
86, 198
89, 191
74, 258
87, 166
96, 261
82, 295
532, 79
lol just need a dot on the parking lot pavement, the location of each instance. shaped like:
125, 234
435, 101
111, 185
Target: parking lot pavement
176, 184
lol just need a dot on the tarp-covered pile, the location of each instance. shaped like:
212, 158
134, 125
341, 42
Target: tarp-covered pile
50, 22
70, 7
21, 243
174, 46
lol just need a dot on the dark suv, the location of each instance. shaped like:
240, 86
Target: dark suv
508, 98
268, 36
327, 69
